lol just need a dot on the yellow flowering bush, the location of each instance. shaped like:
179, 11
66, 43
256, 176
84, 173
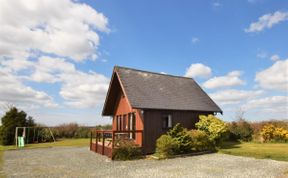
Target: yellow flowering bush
215, 128
271, 133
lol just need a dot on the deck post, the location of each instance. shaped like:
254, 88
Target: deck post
113, 139
103, 142
96, 142
91, 140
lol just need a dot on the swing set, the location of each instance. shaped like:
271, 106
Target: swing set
30, 135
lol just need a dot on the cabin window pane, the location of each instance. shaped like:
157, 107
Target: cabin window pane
167, 121
124, 122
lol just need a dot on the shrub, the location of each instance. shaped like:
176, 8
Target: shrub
215, 128
267, 132
240, 130
181, 137
271, 133
44, 135
166, 146
200, 141
126, 150
258, 126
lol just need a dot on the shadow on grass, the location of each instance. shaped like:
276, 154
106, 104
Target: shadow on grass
229, 145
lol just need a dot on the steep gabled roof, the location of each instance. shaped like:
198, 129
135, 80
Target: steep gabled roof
149, 90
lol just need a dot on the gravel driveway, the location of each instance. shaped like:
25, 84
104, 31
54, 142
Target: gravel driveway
80, 162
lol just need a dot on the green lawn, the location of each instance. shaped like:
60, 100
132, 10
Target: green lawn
81, 142
275, 151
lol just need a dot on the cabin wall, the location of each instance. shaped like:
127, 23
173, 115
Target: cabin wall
123, 108
153, 124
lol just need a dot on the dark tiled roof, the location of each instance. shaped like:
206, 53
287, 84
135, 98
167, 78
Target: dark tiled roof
148, 90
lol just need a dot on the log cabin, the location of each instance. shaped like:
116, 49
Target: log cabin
144, 105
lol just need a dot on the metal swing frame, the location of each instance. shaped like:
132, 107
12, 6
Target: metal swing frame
24, 130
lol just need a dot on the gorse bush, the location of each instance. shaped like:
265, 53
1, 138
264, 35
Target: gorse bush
200, 141
271, 133
216, 129
240, 130
126, 150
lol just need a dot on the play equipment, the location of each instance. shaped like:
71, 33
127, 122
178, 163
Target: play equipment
27, 137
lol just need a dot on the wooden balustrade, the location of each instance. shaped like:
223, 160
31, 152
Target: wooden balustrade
107, 144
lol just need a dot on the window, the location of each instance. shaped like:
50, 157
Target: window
119, 123
124, 122
131, 124
167, 121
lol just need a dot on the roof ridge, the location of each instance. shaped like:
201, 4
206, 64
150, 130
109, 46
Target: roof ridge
157, 73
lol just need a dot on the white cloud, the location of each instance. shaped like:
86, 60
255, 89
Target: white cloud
275, 57
62, 27
14, 92
198, 70
195, 40
216, 4
33, 30
267, 21
48, 69
232, 96
262, 54
273, 105
229, 80
81, 90
78, 89
274, 77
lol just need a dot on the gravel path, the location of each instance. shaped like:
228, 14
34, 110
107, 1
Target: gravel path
80, 162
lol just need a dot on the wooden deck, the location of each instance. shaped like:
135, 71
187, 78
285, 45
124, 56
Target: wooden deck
103, 141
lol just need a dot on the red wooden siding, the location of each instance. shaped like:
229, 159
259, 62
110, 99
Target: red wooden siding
124, 109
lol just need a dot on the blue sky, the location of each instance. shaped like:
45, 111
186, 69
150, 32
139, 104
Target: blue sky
56, 59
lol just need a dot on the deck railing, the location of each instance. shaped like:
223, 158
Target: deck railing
103, 141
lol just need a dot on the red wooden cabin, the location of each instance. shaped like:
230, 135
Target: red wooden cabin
144, 105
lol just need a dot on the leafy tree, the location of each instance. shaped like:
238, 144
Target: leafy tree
215, 128
240, 130
12, 119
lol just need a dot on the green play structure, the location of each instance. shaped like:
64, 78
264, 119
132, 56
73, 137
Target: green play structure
28, 135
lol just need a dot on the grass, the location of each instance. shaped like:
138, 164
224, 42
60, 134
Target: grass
81, 142
275, 151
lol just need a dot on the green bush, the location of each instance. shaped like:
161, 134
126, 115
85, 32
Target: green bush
200, 141
181, 137
240, 130
216, 129
126, 150
166, 146
44, 135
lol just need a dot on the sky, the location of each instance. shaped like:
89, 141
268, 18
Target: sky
57, 56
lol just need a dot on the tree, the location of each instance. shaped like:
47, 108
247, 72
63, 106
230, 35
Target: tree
241, 130
12, 119
215, 128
